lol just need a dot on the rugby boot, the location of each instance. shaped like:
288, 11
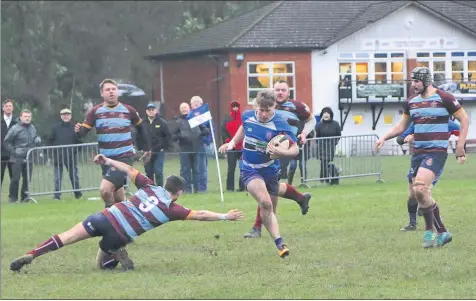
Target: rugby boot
254, 233
304, 204
18, 263
123, 257
428, 239
409, 227
443, 238
283, 251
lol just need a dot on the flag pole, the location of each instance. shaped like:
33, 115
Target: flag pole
218, 163
195, 121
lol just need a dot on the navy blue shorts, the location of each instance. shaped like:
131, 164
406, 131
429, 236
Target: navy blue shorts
433, 161
410, 176
98, 225
116, 177
271, 180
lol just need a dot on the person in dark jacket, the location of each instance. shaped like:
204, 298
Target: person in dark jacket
326, 148
7, 122
205, 147
19, 140
160, 140
231, 124
189, 141
63, 133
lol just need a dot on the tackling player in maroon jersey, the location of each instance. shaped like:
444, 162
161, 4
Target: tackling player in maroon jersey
151, 206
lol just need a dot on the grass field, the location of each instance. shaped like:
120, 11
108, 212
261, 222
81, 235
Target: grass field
348, 246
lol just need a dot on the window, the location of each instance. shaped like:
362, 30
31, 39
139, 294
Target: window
263, 75
362, 55
457, 70
397, 71
439, 69
362, 72
345, 72
371, 69
381, 55
457, 66
423, 64
472, 70
381, 72
346, 55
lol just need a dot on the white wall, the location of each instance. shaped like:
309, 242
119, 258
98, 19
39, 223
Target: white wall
397, 26
325, 65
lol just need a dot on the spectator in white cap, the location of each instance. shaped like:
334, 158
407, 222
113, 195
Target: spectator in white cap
63, 133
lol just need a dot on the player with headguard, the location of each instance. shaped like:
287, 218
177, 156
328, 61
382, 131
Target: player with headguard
412, 203
151, 206
259, 172
294, 112
430, 110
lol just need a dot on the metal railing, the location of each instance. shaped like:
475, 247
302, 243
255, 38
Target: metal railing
46, 166
329, 159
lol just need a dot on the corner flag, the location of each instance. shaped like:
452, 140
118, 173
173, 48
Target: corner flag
197, 117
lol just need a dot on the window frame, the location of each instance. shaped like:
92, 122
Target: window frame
448, 59
271, 75
369, 58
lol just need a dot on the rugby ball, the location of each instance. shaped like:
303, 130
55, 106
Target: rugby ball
280, 140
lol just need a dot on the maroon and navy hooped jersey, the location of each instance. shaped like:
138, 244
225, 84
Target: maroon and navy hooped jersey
114, 128
150, 207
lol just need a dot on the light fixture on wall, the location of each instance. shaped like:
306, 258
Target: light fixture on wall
240, 57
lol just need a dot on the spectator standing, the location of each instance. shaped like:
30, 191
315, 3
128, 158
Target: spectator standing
63, 133
231, 124
160, 140
206, 141
19, 140
189, 141
326, 148
8, 121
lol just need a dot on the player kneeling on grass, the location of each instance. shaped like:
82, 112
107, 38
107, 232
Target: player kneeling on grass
118, 225
259, 167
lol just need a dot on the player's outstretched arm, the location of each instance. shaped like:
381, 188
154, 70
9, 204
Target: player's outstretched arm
240, 135
204, 215
103, 160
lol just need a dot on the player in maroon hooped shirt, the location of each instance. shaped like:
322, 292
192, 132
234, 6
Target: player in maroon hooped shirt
118, 225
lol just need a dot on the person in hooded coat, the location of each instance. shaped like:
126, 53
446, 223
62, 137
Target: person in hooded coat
326, 148
230, 126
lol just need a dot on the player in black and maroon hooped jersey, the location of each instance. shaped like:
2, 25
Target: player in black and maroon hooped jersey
151, 206
294, 111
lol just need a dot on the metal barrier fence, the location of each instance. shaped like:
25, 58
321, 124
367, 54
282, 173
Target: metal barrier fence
46, 166
326, 159
330, 159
